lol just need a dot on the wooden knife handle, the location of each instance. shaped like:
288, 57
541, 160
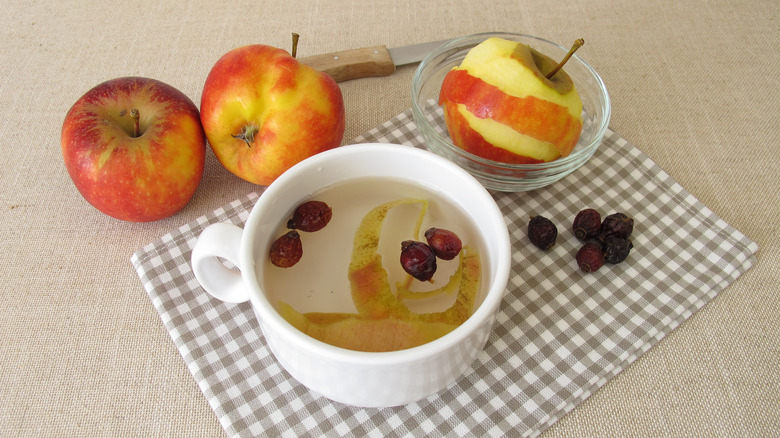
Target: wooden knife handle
353, 64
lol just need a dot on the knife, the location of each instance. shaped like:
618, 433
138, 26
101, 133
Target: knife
369, 61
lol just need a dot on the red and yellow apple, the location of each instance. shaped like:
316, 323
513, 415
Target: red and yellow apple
263, 112
135, 149
499, 104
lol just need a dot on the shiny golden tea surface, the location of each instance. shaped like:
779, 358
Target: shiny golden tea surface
349, 288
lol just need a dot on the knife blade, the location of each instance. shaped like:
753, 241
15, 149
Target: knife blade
369, 61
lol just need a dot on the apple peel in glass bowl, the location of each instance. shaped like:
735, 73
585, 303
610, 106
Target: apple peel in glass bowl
501, 118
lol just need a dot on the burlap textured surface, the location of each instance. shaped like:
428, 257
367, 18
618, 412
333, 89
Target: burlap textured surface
83, 352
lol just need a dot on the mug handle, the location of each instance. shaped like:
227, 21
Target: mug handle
221, 240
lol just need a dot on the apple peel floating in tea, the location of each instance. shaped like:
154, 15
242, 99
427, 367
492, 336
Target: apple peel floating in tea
383, 322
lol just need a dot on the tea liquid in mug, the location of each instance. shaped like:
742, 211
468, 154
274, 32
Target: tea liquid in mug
319, 281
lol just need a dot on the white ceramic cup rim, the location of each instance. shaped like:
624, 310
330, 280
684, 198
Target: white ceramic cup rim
274, 321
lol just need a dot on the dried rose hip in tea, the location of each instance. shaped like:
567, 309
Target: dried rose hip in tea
616, 224
590, 257
418, 259
445, 244
542, 232
310, 216
287, 250
587, 224
616, 249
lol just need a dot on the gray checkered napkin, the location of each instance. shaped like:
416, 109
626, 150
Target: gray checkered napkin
559, 336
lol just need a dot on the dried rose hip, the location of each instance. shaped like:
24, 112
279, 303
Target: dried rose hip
418, 259
310, 216
616, 249
542, 232
590, 257
286, 250
616, 224
444, 243
587, 224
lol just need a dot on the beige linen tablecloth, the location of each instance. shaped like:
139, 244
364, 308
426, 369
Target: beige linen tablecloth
83, 351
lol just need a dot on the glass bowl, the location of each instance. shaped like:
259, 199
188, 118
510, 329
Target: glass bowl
494, 175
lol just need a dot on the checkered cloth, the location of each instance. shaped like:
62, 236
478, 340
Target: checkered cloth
559, 336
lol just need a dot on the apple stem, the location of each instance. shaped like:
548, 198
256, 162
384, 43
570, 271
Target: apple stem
577, 44
295, 37
247, 134
136, 116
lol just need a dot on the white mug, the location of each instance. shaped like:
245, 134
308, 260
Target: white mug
358, 378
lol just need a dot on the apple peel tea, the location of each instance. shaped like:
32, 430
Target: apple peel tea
383, 321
